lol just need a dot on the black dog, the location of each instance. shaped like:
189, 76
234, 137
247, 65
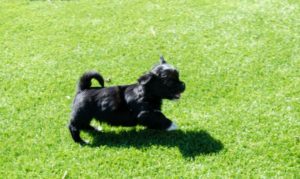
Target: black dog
128, 105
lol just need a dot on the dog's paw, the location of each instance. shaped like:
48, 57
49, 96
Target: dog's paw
172, 127
98, 129
84, 143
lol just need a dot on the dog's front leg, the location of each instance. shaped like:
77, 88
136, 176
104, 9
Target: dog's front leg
155, 120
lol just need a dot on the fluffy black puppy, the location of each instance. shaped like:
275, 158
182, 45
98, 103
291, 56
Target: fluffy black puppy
127, 105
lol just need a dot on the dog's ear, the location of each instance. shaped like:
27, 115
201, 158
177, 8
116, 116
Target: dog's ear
162, 60
145, 78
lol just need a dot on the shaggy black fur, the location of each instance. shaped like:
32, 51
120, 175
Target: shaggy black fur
127, 105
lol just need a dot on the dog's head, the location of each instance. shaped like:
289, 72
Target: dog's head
163, 81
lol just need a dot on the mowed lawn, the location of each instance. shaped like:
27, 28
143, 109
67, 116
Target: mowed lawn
239, 116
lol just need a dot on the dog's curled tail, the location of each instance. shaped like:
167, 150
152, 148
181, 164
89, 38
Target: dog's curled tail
85, 80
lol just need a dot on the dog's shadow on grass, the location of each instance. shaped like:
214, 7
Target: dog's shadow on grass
190, 143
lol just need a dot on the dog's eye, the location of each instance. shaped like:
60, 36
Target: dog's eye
163, 75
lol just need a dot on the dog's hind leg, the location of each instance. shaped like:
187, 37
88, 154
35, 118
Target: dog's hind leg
79, 121
75, 133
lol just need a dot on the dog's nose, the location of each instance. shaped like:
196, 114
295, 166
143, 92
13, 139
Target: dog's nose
182, 86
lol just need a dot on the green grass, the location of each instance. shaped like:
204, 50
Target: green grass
239, 117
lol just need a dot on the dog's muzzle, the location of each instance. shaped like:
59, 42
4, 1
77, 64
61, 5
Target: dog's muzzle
180, 90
